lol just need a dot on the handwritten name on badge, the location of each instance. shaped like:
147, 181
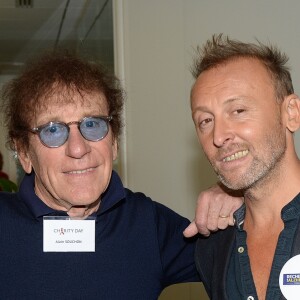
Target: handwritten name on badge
63, 234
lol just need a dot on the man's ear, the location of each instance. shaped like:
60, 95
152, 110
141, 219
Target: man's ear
292, 108
25, 161
115, 146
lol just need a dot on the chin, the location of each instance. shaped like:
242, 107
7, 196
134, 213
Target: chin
82, 201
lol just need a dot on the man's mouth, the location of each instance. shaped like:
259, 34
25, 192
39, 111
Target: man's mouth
81, 171
236, 155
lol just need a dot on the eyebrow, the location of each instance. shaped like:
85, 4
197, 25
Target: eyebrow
56, 118
226, 102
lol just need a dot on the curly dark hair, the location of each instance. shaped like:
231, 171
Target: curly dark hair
53, 72
221, 49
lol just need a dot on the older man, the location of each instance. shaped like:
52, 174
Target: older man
73, 231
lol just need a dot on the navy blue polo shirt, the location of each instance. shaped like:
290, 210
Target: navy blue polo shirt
140, 249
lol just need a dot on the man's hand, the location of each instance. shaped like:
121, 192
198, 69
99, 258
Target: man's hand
214, 211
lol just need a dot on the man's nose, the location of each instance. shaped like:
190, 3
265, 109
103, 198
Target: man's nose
77, 145
223, 133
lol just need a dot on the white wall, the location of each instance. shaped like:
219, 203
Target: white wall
154, 46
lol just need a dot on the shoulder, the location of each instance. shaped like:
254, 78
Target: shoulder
217, 239
8, 199
140, 202
213, 253
10, 204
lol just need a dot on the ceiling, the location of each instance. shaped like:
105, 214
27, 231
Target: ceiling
27, 27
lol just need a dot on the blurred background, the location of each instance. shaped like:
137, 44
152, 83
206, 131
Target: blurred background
29, 26
150, 46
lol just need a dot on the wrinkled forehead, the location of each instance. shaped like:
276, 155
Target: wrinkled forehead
60, 96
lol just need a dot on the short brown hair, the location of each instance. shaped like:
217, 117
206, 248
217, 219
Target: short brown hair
24, 96
221, 49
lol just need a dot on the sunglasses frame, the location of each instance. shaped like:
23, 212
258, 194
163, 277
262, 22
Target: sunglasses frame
38, 130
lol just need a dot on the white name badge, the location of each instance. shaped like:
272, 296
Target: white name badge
63, 234
289, 279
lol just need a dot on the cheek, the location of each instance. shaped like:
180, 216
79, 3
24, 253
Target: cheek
107, 149
251, 133
44, 160
205, 141
247, 131
37, 160
109, 156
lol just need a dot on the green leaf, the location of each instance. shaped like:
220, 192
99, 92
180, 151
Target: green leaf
7, 185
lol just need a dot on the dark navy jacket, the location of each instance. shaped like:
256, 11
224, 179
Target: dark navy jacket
213, 269
140, 249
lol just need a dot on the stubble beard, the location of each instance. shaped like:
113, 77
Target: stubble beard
262, 169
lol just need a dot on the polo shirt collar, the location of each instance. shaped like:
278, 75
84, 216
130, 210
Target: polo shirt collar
114, 193
288, 212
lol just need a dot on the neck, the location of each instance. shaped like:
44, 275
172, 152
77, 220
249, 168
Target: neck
74, 211
265, 200
83, 211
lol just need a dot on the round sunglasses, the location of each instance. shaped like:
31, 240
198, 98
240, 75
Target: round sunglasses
55, 134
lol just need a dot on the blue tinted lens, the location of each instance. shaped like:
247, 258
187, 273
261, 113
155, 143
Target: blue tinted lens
54, 134
94, 129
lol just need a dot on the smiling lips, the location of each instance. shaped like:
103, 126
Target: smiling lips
236, 155
81, 171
